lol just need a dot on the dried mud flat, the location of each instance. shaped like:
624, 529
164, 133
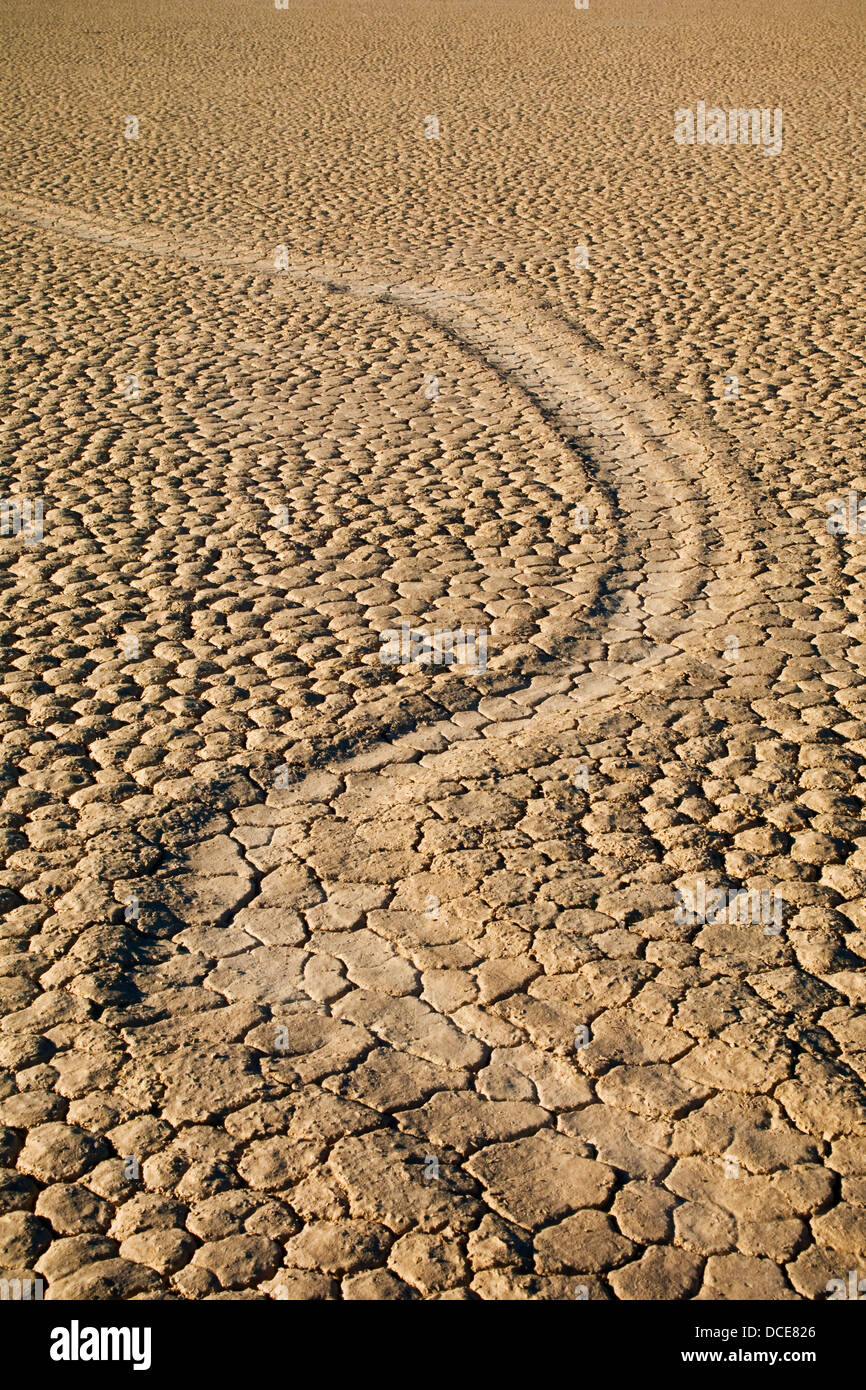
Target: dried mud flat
325, 978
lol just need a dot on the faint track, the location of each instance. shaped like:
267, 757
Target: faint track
682, 517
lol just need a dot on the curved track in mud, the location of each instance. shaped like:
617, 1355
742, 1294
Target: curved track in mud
336, 1020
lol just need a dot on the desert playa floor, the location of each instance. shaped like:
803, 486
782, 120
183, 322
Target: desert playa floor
327, 978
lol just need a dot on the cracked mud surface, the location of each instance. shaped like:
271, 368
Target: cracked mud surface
297, 947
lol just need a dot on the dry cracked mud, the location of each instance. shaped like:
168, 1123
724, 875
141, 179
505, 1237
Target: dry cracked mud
328, 978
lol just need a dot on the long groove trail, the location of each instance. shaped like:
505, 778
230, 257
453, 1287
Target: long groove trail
304, 908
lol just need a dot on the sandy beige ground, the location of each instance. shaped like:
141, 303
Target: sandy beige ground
327, 978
